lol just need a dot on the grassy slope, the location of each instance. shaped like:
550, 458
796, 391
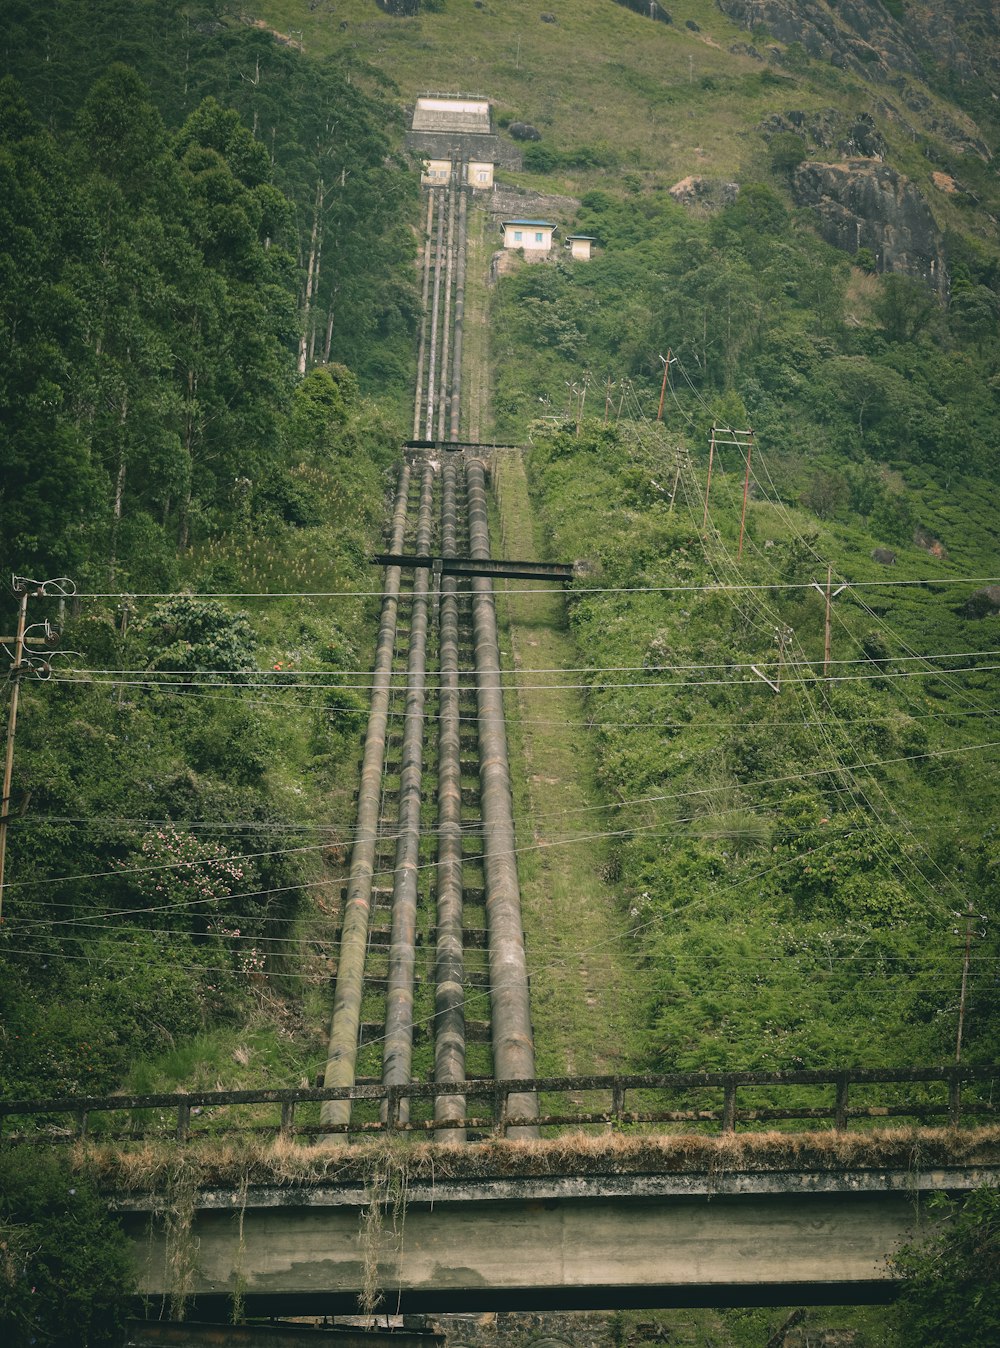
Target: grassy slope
665, 100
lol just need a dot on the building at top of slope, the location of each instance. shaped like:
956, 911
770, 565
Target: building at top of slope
449, 129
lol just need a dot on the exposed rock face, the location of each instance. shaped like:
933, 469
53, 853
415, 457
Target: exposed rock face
866, 204
863, 37
854, 137
861, 34
707, 192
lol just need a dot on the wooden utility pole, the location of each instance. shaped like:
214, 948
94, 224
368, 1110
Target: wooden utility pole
663, 386
746, 491
829, 595
607, 400
708, 483
25, 589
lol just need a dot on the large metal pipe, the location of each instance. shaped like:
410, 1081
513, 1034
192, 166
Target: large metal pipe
422, 350
456, 364
443, 364
397, 1053
342, 1051
435, 312
449, 996
513, 1046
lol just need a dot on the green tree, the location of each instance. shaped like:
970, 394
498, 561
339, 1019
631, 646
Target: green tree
903, 307
951, 1278
65, 1266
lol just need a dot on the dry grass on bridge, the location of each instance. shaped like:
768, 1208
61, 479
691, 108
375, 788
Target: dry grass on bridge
242, 1162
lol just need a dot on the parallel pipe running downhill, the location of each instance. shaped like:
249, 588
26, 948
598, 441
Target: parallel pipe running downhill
449, 996
342, 1051
435, 312
398, 1046
456, 366
443, 363
422, 349
513, 1044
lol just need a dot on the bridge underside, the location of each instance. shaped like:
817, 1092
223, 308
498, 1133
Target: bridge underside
560, 1244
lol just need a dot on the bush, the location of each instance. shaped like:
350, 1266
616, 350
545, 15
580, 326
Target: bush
65, 1266
951, 1280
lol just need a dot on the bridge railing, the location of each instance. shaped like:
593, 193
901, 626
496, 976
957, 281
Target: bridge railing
707, 1101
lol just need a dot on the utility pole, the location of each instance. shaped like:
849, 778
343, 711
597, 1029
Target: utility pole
708, 483
746, 490
663, 386
971, 916
829, 595
25, 589
583, 400
607, 400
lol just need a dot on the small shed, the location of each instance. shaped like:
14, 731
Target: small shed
581, 246
534, 236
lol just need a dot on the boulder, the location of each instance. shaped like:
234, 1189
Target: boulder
884, 556
524, 131
711, 193
984, 603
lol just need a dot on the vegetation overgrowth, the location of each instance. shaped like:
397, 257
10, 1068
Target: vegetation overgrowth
199, 227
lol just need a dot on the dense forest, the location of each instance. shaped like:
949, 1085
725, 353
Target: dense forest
200, 226
208, 310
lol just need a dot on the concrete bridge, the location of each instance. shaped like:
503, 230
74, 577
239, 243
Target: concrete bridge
515, 1226
706, 1211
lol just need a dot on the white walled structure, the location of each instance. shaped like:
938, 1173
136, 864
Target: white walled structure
581, 246
534, 236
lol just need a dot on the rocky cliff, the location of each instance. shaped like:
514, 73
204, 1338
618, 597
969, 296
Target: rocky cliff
953, 44
863, 203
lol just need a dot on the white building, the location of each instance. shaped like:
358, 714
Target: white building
581, 246
454, 133
534, 236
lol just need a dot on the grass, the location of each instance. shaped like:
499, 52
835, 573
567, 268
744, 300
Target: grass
587, 989
227, 1162
667, 101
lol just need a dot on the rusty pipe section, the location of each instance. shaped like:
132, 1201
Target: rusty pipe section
456, 363
397, 1052
513, 1046
422, 349
342, 1050
449, 997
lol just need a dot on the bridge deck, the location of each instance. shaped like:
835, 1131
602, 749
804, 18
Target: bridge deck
736, 1230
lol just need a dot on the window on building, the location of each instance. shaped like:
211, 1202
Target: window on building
538, 236
483, 175
517, 236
